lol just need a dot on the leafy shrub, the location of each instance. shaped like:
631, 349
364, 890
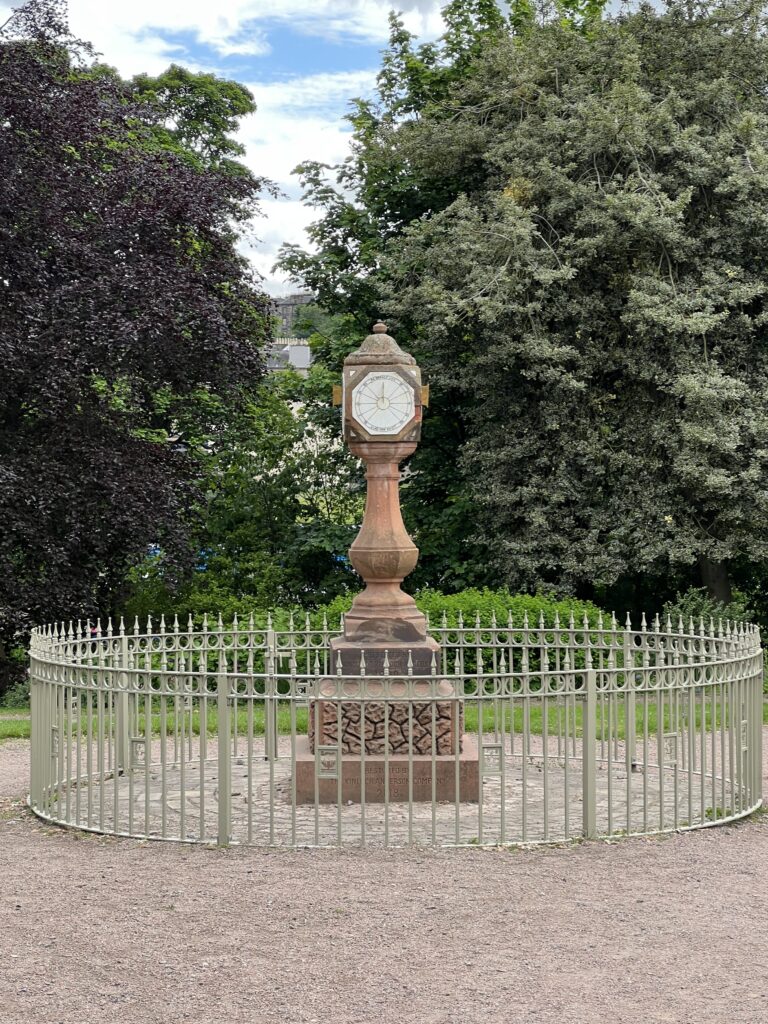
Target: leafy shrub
501, 602
467, 602
696, 603
15, 694
433, 602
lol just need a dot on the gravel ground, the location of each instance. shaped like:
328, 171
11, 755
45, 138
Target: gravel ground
662, 930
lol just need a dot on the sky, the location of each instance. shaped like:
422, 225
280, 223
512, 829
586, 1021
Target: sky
303, 60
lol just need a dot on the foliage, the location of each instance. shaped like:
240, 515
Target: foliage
197, 115
697, 604
331, 338
17, 694
376, 195
573, 243
502, 603
125, 310
484, 603
469, 603
283, 503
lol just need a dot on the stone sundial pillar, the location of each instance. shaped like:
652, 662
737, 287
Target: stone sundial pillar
385, 640
382, 407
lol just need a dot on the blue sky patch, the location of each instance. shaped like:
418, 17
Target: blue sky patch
280, 53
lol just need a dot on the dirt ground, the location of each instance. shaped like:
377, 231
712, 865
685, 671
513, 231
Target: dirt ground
662, 930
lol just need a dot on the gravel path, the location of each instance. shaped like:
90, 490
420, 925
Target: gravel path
662, 930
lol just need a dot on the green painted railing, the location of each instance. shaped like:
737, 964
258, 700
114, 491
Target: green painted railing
518, 733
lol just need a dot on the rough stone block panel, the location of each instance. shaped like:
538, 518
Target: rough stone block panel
394, 721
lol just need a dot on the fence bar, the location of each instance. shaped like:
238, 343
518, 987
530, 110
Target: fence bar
589, 763
224, 754
123, 749
120, 726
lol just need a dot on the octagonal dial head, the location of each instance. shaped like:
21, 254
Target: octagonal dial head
383, 403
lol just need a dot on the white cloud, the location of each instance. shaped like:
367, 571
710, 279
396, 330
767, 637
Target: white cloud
297, 119
131, 35
300, 119
367, 20
122, 31
284, 222
324, 90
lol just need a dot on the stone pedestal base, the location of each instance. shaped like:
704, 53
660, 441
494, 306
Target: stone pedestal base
389, 725
349, 769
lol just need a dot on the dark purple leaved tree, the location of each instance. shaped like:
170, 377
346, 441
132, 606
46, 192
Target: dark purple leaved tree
123, 300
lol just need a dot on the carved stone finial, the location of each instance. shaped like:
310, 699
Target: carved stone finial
379, 347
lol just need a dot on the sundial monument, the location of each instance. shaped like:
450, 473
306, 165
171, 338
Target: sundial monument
385, 649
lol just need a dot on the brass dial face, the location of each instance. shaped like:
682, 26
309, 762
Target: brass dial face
383, 403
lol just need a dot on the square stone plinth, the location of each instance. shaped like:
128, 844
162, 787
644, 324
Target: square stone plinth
419, 657
396, 767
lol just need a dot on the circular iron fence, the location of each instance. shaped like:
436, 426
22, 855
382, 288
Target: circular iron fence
516, 734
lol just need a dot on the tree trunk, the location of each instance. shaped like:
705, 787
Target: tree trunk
714, 576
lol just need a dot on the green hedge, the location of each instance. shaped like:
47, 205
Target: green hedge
502, 602
433, 602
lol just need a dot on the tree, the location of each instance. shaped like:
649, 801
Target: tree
585, 285
195, 115
609, 276
283, 502
125, 310
378, 191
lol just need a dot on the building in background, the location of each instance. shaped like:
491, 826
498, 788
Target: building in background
289, 350
288, 309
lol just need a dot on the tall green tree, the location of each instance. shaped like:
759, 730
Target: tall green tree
609, 278
586, 285
195, 115
284, 501
371, 198
125, 310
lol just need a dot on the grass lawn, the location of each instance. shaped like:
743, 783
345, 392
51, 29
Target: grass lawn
15, 724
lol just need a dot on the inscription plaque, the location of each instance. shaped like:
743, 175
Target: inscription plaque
327, 761
491, 759
670, 748
138, 751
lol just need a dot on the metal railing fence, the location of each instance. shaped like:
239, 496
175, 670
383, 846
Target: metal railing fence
554, 733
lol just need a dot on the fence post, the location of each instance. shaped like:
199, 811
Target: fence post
589, 752
270, 697
36, 733
756, 743
225, 753
630, 738
123, 751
